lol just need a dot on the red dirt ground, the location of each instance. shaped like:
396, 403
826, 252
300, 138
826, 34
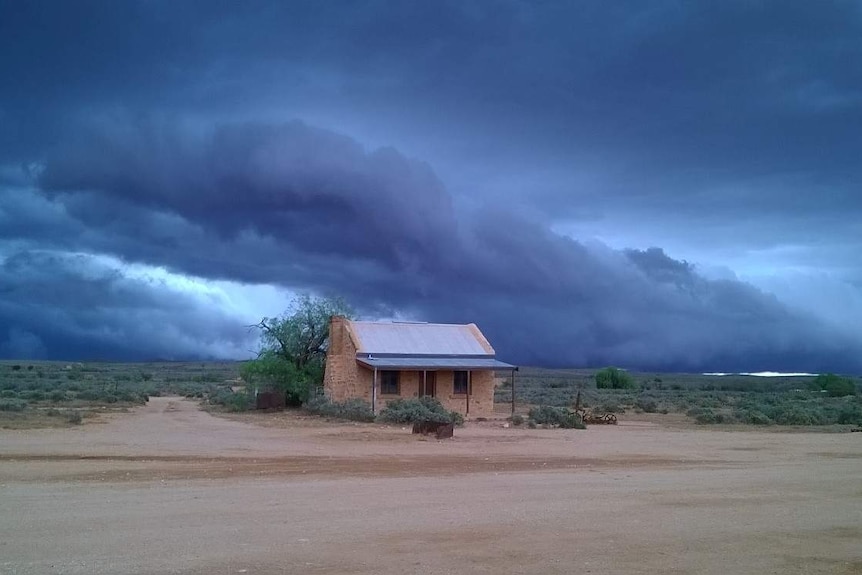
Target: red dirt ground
172, 489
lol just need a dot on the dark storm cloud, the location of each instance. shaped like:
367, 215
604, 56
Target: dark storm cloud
318, 190
60, 305
161, 131
379, 228
659, 103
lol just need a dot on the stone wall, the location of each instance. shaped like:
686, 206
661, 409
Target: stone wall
481, 398
345, 379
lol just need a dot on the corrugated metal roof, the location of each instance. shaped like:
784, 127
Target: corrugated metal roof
417, 338
433, 363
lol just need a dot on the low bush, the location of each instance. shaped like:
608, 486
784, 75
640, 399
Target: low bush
850, 414
609, 405
517, 419
32, 395
10, 385
559, 416
546, 414
572, 420
230, 400
418, 409
795, 415
9, 404
707, 416
89, 395
647, 404
352, 409
752, 417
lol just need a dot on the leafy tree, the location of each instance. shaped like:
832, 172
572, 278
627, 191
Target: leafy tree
293, 347
833, 385
613, 378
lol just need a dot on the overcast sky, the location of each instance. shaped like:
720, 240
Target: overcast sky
654, 185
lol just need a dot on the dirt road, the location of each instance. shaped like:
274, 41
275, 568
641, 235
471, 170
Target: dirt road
171, 489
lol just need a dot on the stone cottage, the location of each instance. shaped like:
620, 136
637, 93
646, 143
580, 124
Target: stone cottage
382, 361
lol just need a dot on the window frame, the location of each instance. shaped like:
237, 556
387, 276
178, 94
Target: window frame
396, 381
456, 389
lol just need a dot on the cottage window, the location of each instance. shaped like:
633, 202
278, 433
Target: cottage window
389, 383
460, 382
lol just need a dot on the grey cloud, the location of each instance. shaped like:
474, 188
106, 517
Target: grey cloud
317, 189
726, 127
542, 297
21, 344
64, 306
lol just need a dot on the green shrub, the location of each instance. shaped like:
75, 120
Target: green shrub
752, 417
230, 400
572, 420
74, 417
647, 404
12, 405
9, 393
238, 402
560, 416
57, 395
33, 395
613, 378
415, 410
789, 414
609, 405
850, 414
9, 384
834, 386
707, 416
89, 395
546, 414
352, 409
517, 419
531, 424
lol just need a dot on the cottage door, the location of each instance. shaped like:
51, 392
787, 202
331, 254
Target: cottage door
428, 384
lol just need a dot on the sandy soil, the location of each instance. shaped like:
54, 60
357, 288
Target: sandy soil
172, 489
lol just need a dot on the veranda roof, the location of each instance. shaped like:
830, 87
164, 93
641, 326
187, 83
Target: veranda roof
427, 363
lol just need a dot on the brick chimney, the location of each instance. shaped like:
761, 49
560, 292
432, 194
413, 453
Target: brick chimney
336, 333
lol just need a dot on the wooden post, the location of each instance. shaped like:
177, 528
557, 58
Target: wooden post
374, 392
469, 382
513, 393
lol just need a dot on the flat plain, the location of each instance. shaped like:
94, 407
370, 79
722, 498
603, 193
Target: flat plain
169, 488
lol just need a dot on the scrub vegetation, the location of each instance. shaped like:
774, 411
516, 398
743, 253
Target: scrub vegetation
49, 394
351, 410
827, 399
53, 394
